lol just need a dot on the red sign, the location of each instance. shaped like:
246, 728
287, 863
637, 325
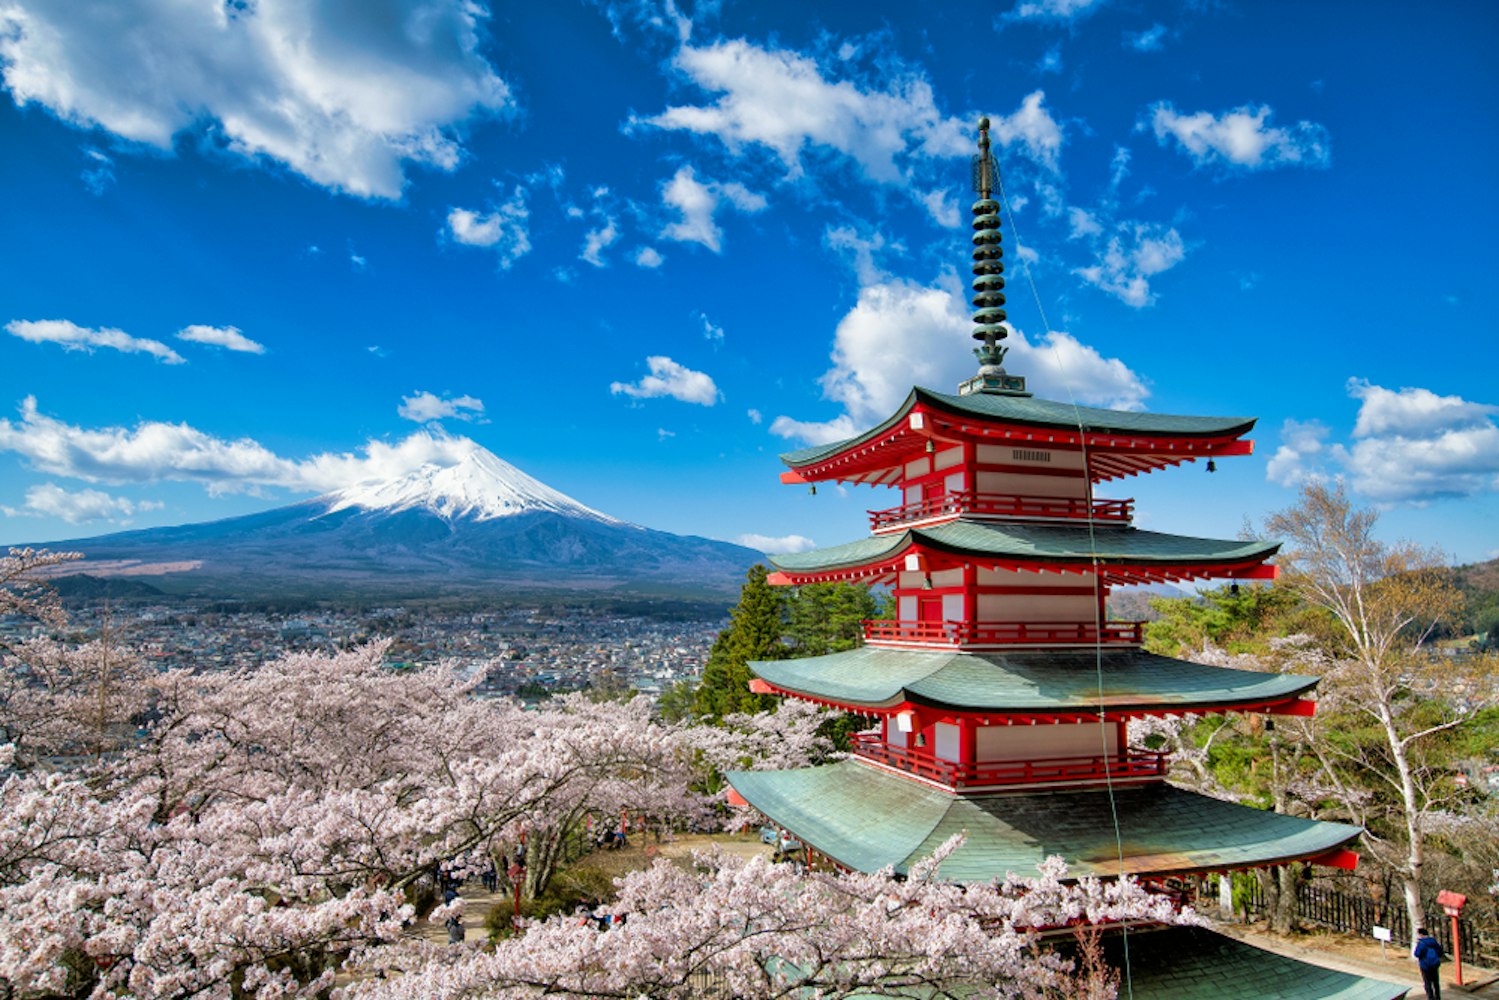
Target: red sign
1452, 903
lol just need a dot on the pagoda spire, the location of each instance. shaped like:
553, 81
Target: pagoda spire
988, 281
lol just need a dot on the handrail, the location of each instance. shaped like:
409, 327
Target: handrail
1135, 762
999, 504
957, 633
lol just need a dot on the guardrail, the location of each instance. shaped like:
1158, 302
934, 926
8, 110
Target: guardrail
957, 633
1002, 505
1134, 763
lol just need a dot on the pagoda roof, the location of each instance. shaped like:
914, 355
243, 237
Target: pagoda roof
1027, 546
1026, 682
866, 818
1129, 430
1194, 963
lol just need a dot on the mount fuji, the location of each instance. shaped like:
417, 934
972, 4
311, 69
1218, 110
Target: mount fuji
477, 526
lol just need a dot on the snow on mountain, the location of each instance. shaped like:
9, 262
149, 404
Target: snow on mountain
481, 487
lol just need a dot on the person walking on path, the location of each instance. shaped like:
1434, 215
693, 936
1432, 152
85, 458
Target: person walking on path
1429, 957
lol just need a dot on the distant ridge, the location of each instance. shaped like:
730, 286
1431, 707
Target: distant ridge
476, 526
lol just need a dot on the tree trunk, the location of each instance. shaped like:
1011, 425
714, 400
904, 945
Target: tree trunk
1284, 919
1410, 878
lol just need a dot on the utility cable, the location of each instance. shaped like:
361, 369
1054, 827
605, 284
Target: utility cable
1082, 439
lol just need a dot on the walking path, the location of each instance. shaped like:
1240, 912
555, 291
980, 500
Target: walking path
1364, 958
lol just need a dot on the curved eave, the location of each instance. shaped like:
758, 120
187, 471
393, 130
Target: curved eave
1122, 555
867, 819
1081, 684
1119, 443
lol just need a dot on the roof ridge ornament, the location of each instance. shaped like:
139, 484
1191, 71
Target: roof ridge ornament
988, 281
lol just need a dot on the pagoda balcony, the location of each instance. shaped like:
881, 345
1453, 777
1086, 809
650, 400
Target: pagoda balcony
960, 502
1134, 764
885, 632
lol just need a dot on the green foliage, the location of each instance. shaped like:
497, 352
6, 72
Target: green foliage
775, 624
755, 628
827, 618
1238, 622
677, 702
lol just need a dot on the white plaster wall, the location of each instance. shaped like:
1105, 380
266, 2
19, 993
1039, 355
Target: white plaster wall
917, 467
945, 741
1092, 739
1004, 454
1020, 485
952, 607
1019, 578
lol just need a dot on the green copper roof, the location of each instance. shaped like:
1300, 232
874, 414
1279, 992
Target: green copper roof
867, 819
1047, 542
1025, 680
1193, 963
1029, 411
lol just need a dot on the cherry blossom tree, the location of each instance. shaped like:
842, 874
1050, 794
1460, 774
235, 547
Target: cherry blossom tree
760, 930
273, 819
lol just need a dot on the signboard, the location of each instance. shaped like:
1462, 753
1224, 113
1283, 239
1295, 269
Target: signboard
1383, 934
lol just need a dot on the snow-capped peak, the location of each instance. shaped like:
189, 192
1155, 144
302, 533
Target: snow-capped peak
480, 486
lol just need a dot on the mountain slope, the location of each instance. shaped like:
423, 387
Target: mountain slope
476, 526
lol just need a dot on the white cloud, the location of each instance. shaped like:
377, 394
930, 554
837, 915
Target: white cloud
1033, 127
1242, 137
1083, 223
51, 500
99, 175
698, 203
1053, 10
667, 378
505, 230
1134, 253
1148, 40
1299, 457
662, 434
786, 102
755, 416
81, 338
649, 257
1415, 446
343, 94
1408, 446
1412, 412
425, 407
227, 337
596, 240
711, 331
662, 16
775, 546
901, 333
942, 206
153, 451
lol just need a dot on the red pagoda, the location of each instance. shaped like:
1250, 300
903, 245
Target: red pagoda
1002, 690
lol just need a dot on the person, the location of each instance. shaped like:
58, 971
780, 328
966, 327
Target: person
1429, 957
455, 930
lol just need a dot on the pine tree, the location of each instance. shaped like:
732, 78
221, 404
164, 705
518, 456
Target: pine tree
754, 633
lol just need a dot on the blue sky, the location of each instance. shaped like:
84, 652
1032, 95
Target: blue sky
260, 250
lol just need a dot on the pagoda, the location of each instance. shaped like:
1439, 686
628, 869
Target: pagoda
1002, 691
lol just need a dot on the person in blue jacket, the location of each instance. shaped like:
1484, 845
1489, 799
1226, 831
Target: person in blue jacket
1429, 957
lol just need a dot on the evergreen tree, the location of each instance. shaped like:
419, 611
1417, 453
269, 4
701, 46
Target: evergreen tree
828, 618
754, 633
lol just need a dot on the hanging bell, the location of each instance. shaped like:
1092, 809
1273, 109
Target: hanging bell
1212, 465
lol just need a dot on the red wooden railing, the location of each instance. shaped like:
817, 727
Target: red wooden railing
1134, 763
954, 633
969, 502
